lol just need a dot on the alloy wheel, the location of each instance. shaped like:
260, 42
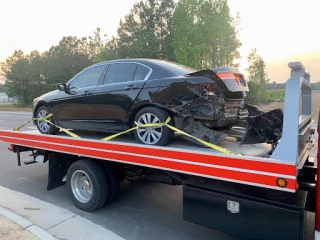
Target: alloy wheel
43, 125
149, 135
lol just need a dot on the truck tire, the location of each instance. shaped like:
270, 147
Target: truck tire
114, 182
44, 127
87, 184
159, 136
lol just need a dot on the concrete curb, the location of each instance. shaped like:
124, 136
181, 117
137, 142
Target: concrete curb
26, 224
48, 221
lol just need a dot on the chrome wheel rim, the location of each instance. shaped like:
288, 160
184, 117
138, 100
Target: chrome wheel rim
149, 135
81, 186
43, 125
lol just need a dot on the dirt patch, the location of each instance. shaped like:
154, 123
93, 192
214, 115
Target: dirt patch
315, 105
9, 230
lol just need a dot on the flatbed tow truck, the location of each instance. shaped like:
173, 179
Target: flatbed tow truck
262, 193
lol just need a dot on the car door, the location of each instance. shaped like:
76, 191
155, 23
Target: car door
119, 88
75, 108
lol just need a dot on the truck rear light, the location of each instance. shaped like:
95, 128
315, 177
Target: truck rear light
11, 147
15, 148
281, 182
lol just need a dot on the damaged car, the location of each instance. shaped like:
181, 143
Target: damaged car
113, 96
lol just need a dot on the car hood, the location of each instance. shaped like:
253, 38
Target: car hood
47, 96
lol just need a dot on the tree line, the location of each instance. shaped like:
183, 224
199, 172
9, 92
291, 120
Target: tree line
278, 86
197, 33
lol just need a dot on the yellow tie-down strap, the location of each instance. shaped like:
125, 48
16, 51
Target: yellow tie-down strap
46, 120
211, 145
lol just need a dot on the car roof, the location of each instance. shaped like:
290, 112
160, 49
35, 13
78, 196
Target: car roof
160, 68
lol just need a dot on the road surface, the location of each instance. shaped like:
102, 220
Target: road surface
144, 210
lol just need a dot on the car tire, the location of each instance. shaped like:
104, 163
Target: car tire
87, 184
153, 136
44, 127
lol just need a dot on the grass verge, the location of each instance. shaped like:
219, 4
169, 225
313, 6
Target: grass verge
12, 107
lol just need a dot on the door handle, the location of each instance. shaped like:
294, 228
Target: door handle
129, 87
87, 93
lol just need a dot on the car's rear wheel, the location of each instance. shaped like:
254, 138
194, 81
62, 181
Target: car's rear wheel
160, 136
43, 126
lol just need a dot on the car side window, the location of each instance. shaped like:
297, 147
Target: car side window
141, 72
120, 72
88, 78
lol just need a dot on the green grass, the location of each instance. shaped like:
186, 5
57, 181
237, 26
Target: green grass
275, 94
14, 107
8, 105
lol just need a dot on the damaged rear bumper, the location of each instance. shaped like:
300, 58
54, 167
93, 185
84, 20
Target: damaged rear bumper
260, 127
266, 127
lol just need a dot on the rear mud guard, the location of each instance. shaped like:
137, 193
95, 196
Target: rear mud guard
58, 167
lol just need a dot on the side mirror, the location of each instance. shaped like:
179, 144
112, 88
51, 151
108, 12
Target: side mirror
62, 87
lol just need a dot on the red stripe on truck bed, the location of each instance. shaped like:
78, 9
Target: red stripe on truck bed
221, 160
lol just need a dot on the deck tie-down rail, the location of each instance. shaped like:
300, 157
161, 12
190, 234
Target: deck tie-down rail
295, 143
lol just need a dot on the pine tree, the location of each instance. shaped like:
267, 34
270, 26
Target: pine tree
205, 34
257, 79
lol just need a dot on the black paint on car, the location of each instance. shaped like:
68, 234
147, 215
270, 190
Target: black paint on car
110, 96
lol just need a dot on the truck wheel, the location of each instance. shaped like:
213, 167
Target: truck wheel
87, 184
160, 136
114, 182
44, 127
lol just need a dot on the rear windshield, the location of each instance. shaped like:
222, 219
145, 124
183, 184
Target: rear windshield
176, 69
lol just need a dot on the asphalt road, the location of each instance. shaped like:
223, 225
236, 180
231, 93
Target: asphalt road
144, 210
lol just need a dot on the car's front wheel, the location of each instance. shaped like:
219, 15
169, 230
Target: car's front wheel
160, 136
43, 126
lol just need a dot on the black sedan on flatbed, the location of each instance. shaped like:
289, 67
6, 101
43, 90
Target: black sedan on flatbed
111, 96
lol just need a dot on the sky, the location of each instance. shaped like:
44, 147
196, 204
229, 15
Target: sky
281, 30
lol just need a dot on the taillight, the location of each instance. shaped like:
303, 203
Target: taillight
239, 78
226, 75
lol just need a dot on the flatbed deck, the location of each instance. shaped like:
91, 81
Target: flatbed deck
252, 150
180, 156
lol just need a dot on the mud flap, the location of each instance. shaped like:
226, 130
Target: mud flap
263, 128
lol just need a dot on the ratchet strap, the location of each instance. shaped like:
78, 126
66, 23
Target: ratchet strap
166, 124
46, 120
